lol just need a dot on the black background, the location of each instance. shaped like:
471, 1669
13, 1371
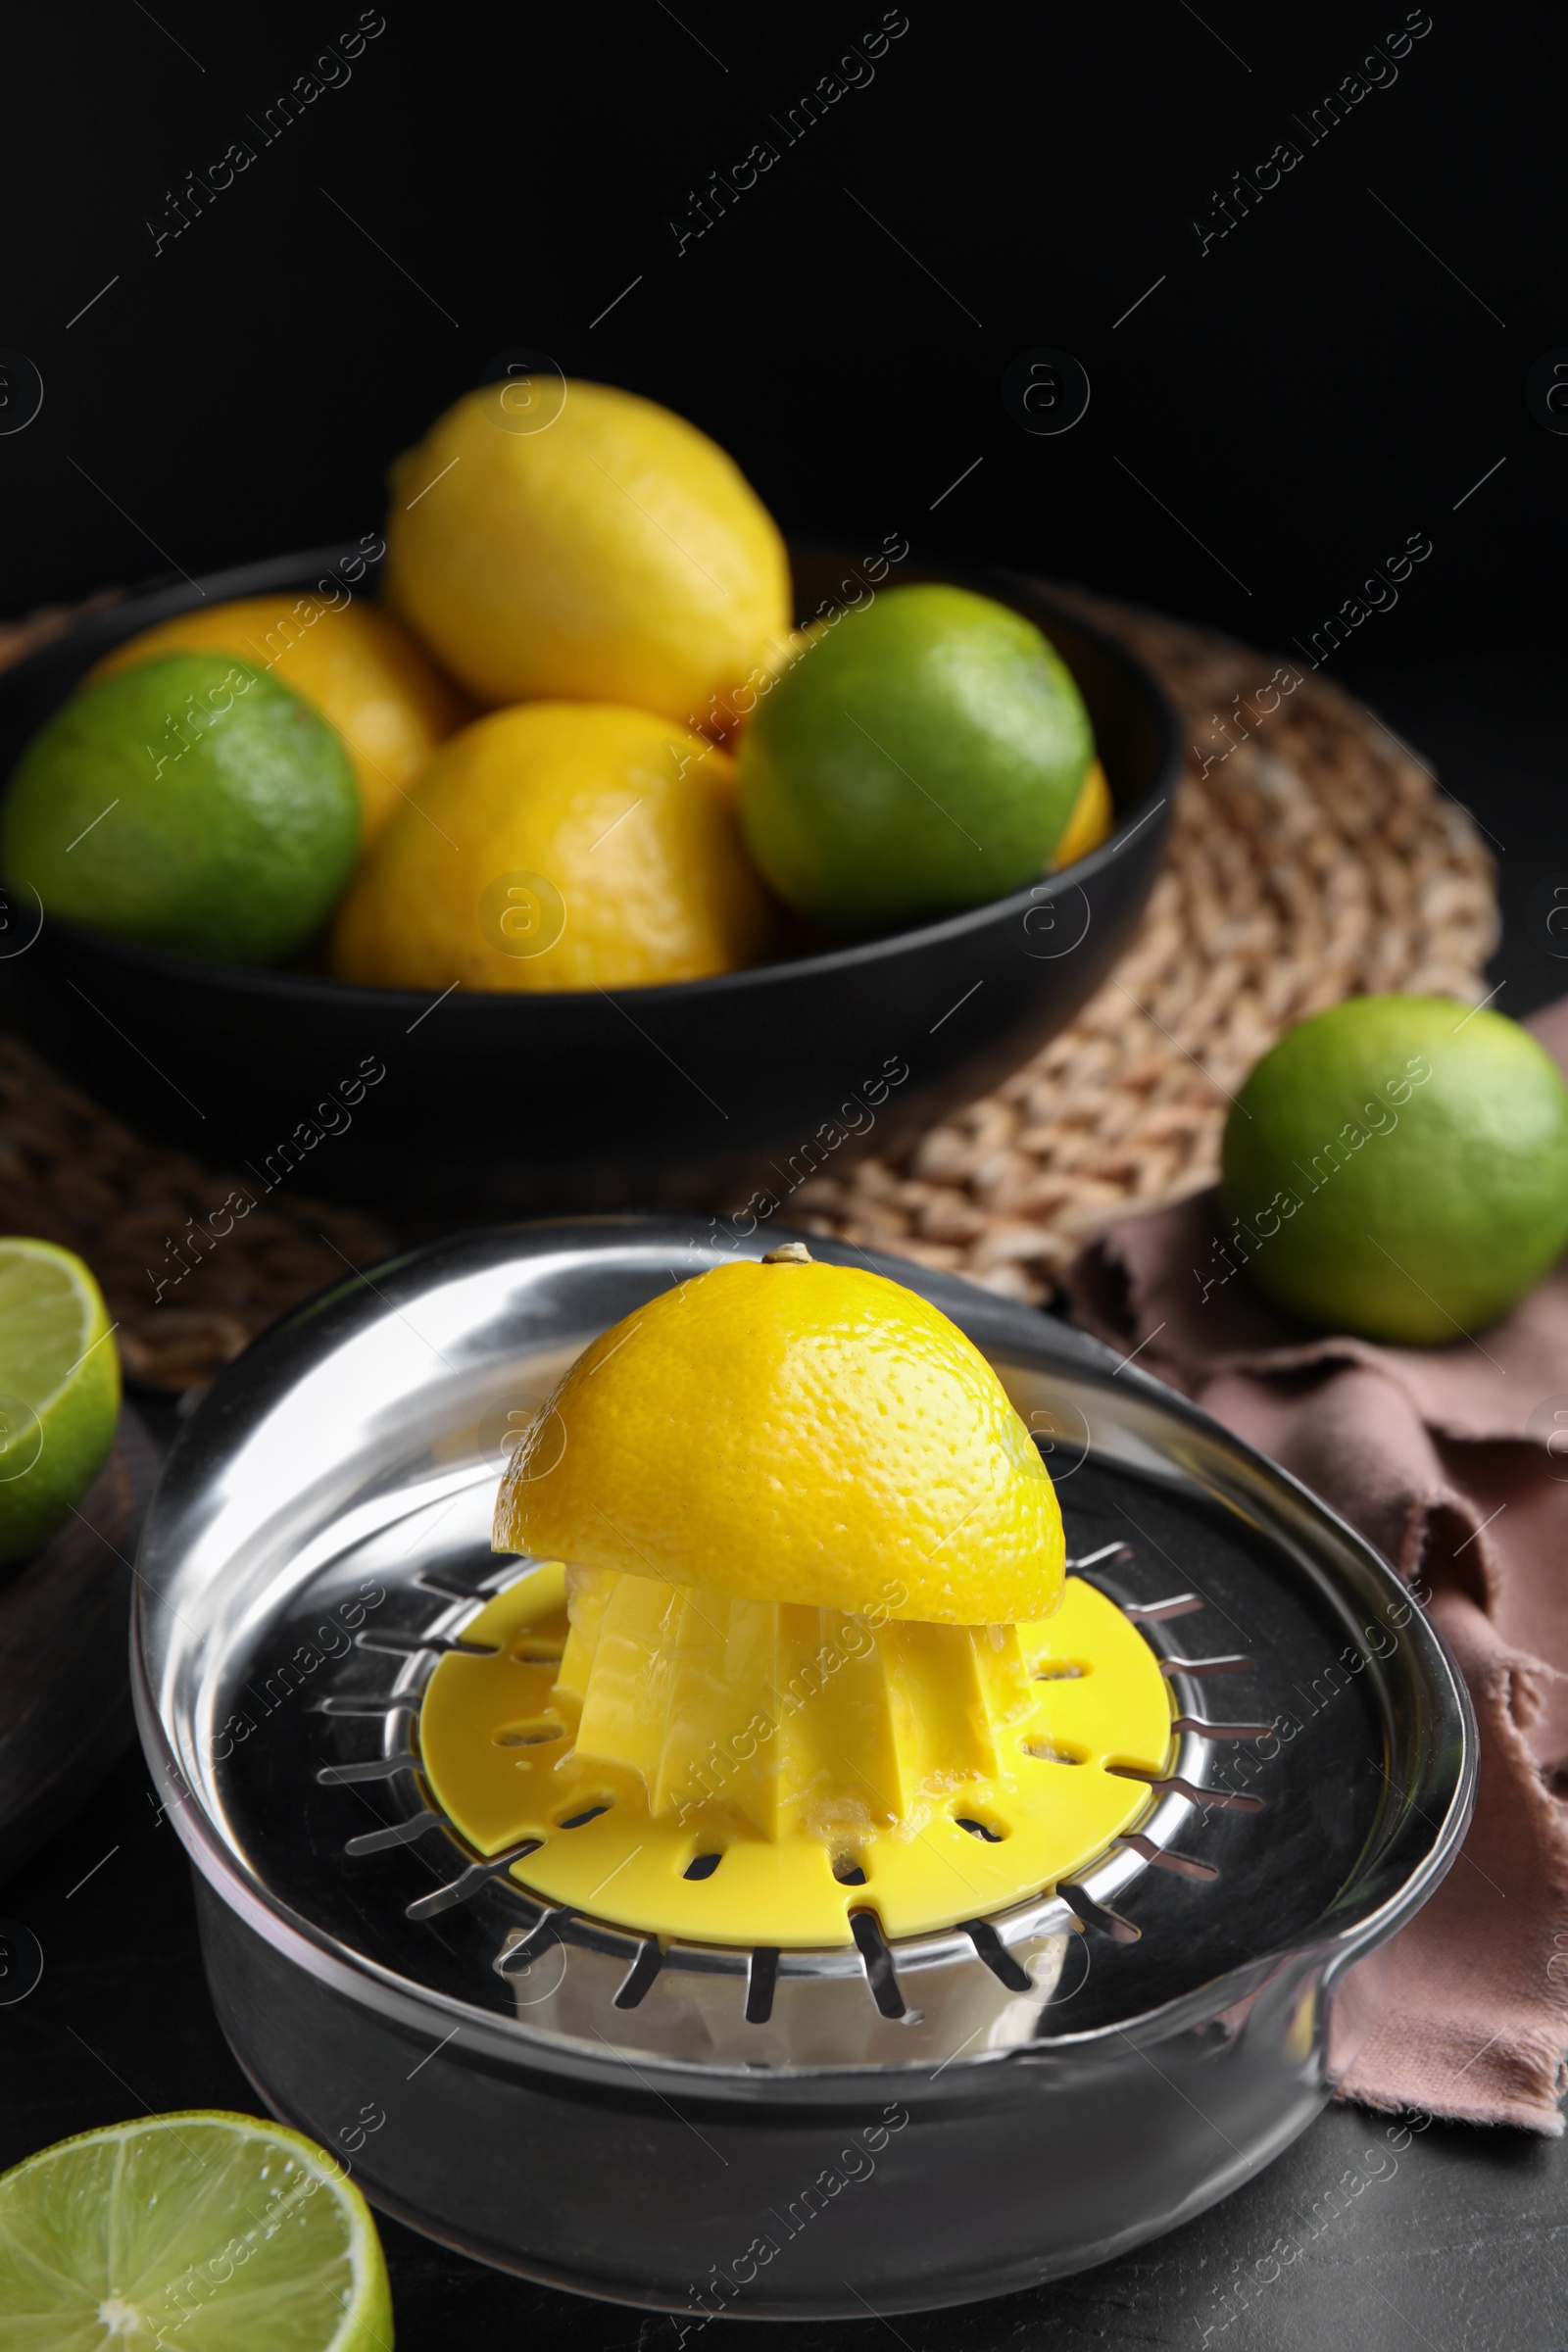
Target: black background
1278, 415
1274, 420
1304, 396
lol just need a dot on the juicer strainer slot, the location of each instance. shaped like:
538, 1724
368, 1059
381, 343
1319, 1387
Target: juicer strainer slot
1045, 1752
1119, 1550
580, 1820
470, 1882
996, 1955
762, 1978
1096, 1913
397, 1833
1165, 1857
1201, 1729
390, 1644
451, 1587
638, 1977
377, 1768
1227, 1800
880, 1973
549, 1928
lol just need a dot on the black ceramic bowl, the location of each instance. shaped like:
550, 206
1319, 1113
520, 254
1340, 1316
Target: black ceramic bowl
705, 1093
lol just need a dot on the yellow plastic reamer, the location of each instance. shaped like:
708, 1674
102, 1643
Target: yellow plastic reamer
744, 1772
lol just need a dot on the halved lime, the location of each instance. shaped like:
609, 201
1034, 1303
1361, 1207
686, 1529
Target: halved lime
213, 2233
59, 1390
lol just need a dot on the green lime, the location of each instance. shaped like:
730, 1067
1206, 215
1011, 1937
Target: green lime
922, 755
214, 2233
192, 804
59, 1390
1399, 1167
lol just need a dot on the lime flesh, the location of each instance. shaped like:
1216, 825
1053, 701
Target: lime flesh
1397, 1167
214, 2233
59, 1390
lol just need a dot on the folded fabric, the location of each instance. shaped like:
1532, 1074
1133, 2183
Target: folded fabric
1453, 1461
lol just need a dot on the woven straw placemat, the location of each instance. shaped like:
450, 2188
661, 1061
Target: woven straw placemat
1311, 857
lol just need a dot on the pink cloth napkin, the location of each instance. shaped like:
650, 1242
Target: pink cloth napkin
1445, 1459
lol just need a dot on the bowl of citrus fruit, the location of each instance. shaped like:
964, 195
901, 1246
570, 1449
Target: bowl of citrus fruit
573, 839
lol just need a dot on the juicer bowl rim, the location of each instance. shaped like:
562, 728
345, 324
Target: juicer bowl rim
491, 2036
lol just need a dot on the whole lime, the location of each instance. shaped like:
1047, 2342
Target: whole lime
922, 755
1397, 1167
192, 804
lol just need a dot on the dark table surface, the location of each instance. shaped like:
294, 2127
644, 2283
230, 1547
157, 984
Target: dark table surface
1398, 2232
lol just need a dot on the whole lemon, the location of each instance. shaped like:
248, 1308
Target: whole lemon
923, 754
192, 804
612, 553
358, 668
558, 846
1397, 1167
796, 1432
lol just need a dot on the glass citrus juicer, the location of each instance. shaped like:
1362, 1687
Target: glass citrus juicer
803, 1865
